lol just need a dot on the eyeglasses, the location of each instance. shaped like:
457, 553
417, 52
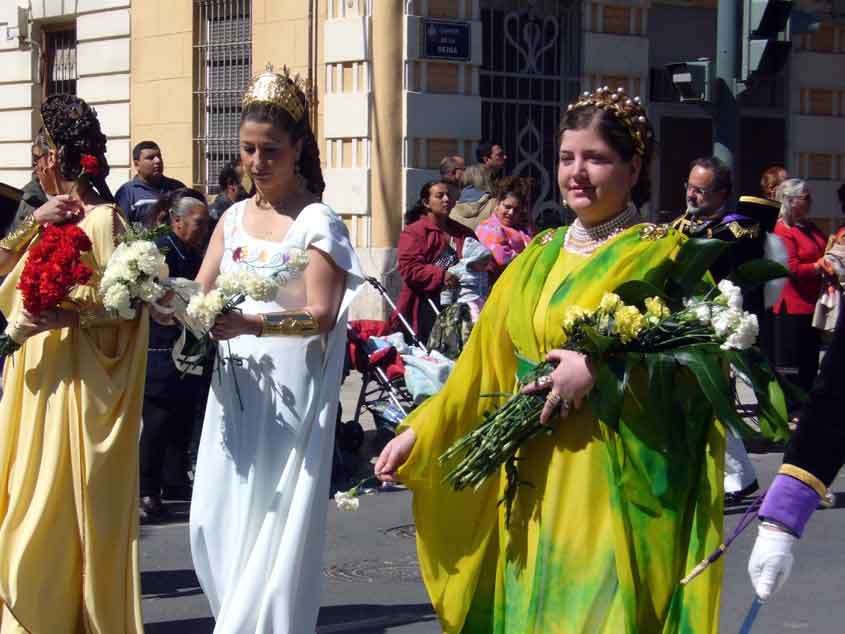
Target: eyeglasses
697, 190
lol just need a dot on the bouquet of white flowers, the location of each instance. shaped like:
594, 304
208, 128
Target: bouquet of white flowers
232, 289
134, 273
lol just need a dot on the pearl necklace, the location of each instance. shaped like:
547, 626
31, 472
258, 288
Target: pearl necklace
583, 240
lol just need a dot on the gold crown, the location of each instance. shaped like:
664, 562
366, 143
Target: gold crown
629, 110
277, 89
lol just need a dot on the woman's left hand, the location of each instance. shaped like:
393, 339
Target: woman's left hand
47, 320
567, 385
234, 324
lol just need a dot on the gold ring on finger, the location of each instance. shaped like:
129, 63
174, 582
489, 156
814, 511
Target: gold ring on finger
554, 398
544, 381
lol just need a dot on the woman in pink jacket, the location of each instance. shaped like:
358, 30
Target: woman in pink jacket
507, 232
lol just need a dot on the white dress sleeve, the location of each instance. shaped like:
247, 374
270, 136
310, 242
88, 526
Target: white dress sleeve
319, 227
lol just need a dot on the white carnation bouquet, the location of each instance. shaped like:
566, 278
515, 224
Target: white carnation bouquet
234, 287
134, 274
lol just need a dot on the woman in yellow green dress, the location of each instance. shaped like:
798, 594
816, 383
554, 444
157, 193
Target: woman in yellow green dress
611, 517
70, 413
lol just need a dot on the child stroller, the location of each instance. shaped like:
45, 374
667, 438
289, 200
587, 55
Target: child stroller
383, 393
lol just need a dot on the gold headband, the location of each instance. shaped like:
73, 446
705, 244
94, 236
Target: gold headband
277, 89
629, 111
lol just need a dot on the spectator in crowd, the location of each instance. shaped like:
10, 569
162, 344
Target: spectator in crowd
230, 192
770, 179
32, 195
712, 213
507, 232
796, 342
492, 156
477, 201
173, 382
137, 197
452, 171
429, 245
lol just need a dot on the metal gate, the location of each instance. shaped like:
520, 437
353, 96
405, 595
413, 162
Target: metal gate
531, 68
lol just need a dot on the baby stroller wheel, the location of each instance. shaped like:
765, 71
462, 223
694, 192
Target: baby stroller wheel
350, 436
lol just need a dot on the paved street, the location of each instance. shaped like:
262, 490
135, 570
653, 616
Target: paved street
373, 584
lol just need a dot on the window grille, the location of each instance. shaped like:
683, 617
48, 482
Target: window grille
223, 59
59, 70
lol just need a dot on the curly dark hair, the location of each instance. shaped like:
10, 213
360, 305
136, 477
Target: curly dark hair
279, 118
73, 127
517, 186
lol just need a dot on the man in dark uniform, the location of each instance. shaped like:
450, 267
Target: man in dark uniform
814, 455
709, 215
172, 386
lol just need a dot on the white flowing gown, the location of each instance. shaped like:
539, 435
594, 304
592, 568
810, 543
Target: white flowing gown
262, 482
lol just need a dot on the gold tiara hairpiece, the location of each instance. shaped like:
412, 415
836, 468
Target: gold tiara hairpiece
277, 89
629, 110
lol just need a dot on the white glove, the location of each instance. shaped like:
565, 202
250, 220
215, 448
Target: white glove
771, 560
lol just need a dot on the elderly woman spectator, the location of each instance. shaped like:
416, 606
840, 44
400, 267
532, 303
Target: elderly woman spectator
430, 243
796, 342
477, 201
507, 232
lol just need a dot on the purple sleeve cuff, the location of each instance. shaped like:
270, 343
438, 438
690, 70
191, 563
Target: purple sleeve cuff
789, 502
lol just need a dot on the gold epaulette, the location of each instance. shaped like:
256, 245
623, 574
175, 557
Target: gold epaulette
740, 232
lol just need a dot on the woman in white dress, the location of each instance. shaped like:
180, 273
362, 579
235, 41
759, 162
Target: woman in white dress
262, 482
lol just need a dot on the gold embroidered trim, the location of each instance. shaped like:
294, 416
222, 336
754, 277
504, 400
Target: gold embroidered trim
743, 232
806, 477
289, 322
23, 234
654, 232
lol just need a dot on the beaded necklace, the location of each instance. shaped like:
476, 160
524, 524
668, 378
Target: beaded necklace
582, 240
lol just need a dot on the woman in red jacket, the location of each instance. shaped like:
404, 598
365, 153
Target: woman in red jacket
796, 344
429, 245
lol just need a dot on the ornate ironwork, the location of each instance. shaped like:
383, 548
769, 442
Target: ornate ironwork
531, 69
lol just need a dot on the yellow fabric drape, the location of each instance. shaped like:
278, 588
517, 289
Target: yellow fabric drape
69, 426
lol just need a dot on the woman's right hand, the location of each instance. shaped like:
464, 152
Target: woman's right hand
58, 209
394, 455
450, 280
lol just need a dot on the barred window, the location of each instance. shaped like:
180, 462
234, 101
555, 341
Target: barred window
223, 58
59, 62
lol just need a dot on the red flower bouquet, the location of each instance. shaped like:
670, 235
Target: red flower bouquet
52, 270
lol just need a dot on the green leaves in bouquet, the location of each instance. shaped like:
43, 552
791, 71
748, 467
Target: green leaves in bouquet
704, 361
694, 259
636, 292
752, 274
137, 231
607, 395
765, 382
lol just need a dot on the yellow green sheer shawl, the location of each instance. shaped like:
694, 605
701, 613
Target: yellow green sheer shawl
612, 518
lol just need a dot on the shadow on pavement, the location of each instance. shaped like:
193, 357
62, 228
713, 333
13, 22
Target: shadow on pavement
187, 626
371, 619
168, 584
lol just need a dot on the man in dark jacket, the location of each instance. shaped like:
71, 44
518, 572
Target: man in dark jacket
138, 197
711, 215
814, 455
171, 390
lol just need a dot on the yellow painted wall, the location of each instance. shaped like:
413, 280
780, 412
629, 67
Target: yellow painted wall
280, 32
162, 81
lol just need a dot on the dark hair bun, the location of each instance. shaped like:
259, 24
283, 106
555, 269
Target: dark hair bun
74, 128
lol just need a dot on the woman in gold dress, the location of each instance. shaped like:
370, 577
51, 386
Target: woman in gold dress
70, 413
